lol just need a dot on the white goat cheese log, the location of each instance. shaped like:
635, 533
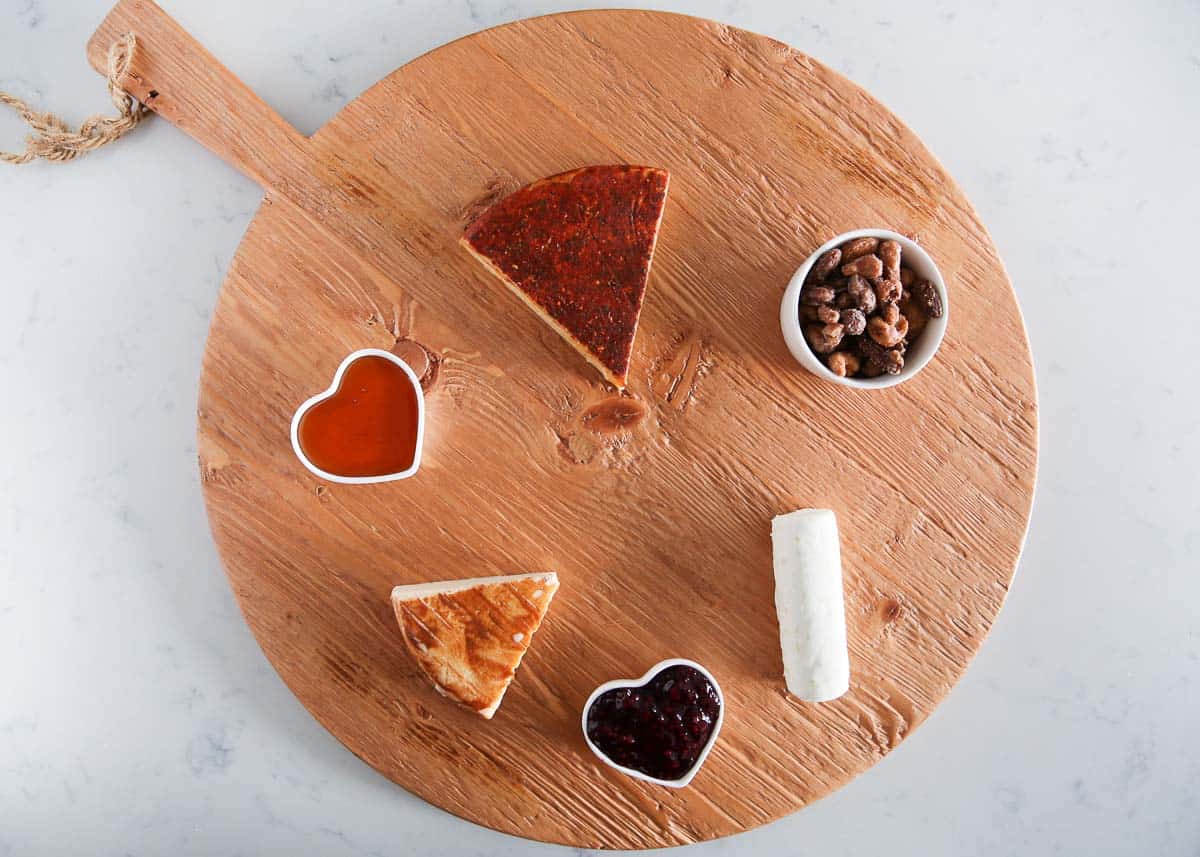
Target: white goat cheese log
810, 605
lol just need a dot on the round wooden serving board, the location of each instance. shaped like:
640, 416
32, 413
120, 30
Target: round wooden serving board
654, 509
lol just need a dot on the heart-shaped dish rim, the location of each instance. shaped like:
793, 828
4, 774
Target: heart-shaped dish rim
639, 682
331, 391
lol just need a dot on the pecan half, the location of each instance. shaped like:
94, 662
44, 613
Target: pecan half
865, 266
824, 266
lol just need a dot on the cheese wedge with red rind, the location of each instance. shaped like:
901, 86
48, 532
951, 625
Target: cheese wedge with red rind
577, 248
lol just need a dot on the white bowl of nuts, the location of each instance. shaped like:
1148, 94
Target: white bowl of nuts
868, 309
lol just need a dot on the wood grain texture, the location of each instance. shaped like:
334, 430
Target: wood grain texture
654, 508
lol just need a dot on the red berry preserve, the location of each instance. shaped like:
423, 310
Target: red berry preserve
659, 729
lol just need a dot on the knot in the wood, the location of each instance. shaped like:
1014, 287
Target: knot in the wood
613, 415
420, 359
890, 610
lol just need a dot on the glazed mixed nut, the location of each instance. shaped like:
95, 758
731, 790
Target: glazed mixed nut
861, 308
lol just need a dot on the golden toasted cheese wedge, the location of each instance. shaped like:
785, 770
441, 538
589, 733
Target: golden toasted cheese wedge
468, 636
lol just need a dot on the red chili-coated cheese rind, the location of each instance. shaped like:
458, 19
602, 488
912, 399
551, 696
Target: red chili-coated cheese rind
577, 247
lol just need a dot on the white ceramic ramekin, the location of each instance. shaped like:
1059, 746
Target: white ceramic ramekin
638, 682
331, 390
918, 354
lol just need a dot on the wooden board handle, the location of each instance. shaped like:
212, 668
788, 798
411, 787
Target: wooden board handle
176, 77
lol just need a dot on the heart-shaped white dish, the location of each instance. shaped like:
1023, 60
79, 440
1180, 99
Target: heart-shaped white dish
332, 390
641, 682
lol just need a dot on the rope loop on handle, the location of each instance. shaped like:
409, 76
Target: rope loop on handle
53, 140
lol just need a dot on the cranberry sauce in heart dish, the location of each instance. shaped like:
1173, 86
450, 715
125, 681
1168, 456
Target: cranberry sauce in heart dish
659, 727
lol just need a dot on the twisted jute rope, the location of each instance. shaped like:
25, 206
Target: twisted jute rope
54, 140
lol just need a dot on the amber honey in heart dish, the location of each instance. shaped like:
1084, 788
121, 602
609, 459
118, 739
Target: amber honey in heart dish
369, 426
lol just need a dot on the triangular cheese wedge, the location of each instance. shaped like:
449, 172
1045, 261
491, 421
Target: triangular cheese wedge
577, 248
468, 636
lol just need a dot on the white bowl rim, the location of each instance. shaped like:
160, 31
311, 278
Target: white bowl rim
789, 314
331, 390
638, 682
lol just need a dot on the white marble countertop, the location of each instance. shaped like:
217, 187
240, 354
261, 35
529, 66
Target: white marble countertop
137, 715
